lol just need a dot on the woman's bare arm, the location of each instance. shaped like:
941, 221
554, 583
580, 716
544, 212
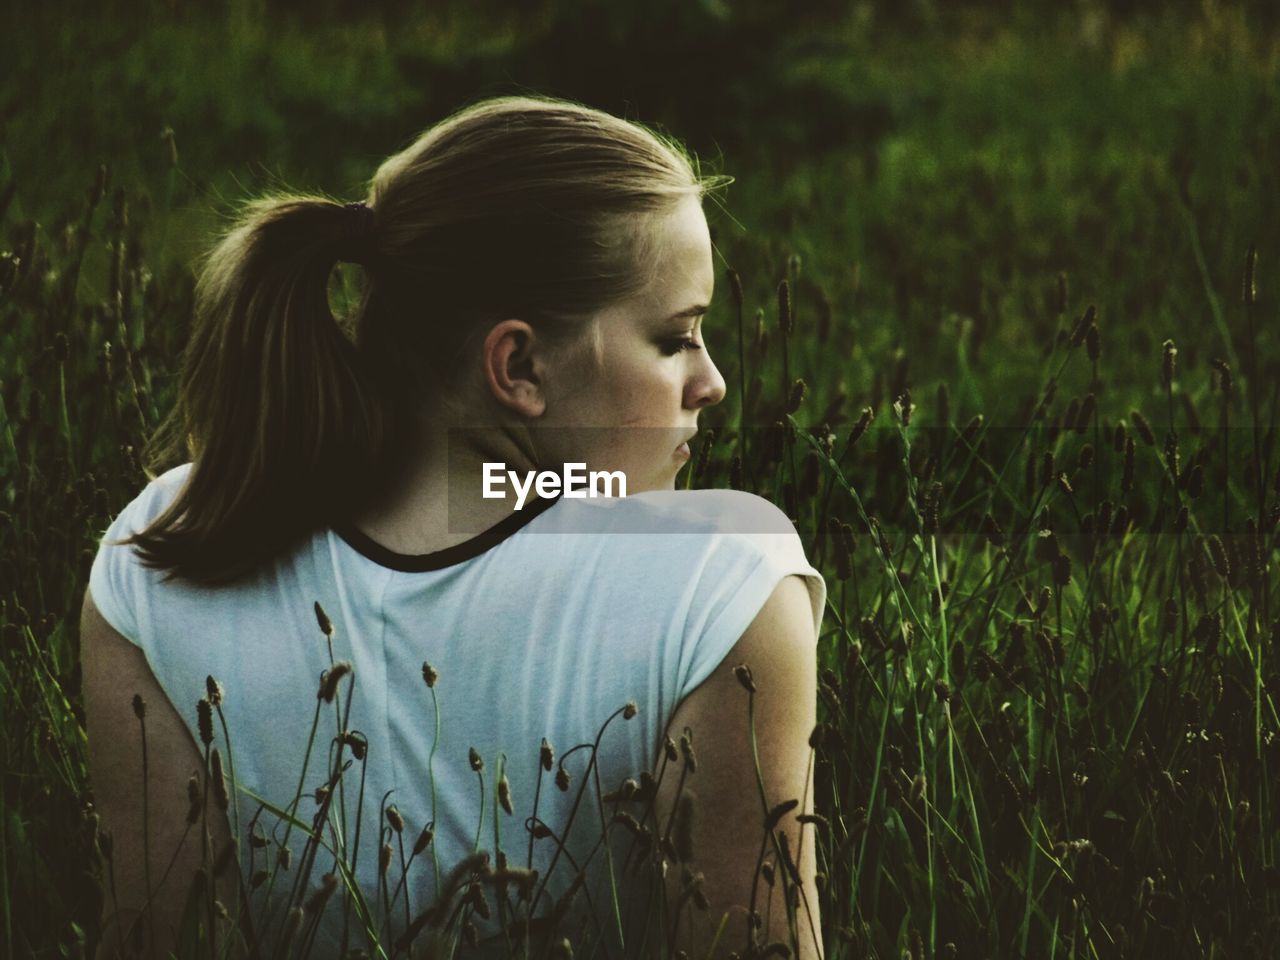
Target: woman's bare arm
728, 814
114, 670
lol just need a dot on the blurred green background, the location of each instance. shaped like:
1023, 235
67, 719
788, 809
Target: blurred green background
927, 161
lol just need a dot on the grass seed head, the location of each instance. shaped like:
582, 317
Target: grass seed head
326, 625
213, 690
429, 674
1171, 454
1168, 365
929, 507
735, 287
1045, 595
394, 819
918, 786
1081, 328
359, 746
1046, 467
1120, 525
779, 811
743, 673
546, 755
504, 794
903, 407
562, 779
762, 335
291, 925
193, 800
818, 736
1143, 426
331, 678
424, 839
860, 427
1118, 437
1088, 406
686, 748
479, 903
474, 758
814, 819
1068, 419
735, 472
384, 859
139, 706
649, 786
1223, 371
629, 710
328, 883
796, 397
204, 720
669, 748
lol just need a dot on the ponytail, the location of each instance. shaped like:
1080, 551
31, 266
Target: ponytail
284, 422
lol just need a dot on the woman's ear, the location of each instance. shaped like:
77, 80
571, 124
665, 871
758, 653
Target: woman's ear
515, 362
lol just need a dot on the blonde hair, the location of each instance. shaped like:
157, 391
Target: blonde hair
520, 206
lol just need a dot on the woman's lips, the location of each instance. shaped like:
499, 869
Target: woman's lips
683, 449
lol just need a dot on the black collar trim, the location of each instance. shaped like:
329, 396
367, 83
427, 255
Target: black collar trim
467, 550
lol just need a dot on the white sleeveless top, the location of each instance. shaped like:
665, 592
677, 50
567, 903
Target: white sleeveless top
540, 627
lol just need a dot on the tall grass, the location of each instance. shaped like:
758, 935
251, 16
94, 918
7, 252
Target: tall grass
1047, 694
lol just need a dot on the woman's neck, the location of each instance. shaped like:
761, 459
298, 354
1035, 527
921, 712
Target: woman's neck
436, 499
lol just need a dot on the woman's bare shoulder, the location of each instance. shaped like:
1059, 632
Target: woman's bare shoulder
694, 511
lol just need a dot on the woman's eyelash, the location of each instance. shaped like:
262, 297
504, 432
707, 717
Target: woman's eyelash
672, 347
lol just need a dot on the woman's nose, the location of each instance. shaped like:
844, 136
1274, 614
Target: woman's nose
708, 387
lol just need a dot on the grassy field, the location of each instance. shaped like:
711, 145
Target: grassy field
1039, 249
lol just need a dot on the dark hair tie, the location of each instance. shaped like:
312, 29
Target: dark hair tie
357, 233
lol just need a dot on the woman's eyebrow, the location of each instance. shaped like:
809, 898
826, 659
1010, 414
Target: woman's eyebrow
695, 311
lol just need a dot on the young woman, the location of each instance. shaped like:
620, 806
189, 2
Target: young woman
327, 569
